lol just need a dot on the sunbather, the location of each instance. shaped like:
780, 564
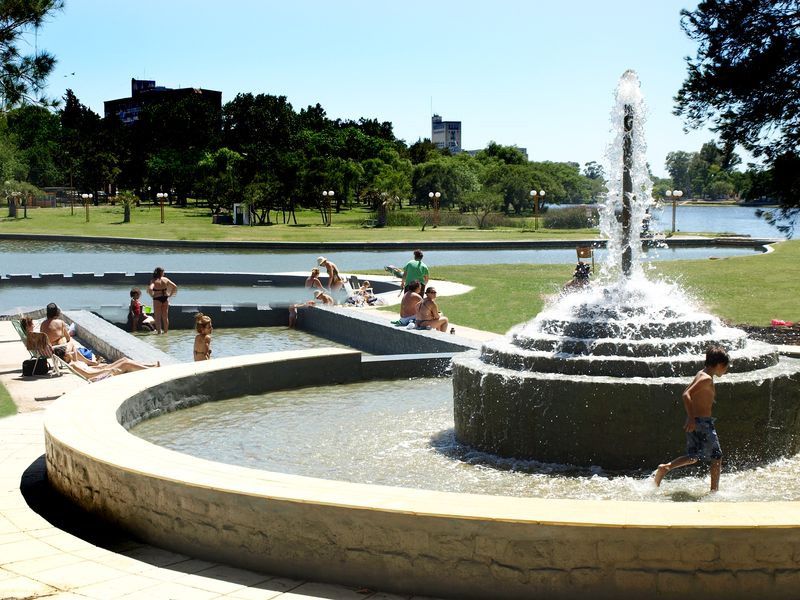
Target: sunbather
96, 373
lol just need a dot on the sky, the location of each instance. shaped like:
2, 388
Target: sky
532, 73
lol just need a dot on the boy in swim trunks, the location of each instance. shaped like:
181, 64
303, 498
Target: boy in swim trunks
701, 436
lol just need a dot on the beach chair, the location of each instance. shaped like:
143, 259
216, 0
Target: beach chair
39, 348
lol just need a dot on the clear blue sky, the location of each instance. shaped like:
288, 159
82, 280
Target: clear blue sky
532, 73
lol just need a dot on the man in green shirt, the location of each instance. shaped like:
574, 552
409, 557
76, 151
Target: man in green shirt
415, 270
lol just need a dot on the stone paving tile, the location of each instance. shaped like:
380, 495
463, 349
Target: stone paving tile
179, 569
25, 549
32, 566
78, 574
155, 556
327, 591
22, 587
223, 579
171, 591
16, 536
117, 587
67, 543
272, 588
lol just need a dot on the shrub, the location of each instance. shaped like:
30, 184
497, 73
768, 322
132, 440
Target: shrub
404, 218
570, 218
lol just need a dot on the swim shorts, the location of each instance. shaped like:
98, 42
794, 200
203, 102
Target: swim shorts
703, 443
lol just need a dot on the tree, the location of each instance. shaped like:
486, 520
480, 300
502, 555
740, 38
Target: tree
22, 77
744, 79
87, 156
36, 131
482, 204
677, 164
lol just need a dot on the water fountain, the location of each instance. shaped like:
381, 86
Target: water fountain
596, 378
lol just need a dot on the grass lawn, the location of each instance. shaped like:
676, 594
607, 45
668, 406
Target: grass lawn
7, 406
743, 290
193, 223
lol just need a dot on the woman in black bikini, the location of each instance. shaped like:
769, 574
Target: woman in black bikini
161, 288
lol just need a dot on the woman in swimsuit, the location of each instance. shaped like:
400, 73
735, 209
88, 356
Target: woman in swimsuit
161, 288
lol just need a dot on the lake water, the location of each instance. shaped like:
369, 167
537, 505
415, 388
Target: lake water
330, 432
741, 220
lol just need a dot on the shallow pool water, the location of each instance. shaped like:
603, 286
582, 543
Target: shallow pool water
236, 342
401, 433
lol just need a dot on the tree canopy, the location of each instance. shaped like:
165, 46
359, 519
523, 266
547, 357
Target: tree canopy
22, 76
744, 81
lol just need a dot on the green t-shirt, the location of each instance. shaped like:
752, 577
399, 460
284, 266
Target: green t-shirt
416, 270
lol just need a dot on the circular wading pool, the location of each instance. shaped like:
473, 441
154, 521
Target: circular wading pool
401, 433
386, 537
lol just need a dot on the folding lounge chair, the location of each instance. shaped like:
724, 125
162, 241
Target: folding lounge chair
39, 348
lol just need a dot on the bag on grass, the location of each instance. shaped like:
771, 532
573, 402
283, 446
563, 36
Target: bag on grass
35, 366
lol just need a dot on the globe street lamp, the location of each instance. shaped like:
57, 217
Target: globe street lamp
675, 195
327, 196
434, 196
86, 199
536, 196
161, 197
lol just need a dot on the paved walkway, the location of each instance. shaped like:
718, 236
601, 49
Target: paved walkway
50, 549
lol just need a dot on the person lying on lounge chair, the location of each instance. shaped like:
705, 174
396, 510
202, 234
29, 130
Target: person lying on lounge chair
96, 373
39, 342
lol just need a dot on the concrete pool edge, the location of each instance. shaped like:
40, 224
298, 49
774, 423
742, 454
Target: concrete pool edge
396, 539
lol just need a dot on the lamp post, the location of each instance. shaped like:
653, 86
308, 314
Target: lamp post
536, 196
161, 197
327, 196
675, 195
434, 196
86, 199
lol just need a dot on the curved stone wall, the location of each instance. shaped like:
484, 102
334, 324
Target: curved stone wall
394, 539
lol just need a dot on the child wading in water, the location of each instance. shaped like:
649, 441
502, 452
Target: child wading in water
202, 341
701, 437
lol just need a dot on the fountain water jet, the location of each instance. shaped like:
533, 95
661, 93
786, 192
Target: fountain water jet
596, 378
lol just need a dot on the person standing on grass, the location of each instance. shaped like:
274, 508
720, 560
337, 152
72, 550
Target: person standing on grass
702, 442
415, 270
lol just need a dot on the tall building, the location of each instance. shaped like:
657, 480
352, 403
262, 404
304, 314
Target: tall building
145, 92
446, 134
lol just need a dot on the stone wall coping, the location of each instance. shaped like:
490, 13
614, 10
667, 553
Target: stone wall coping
86, 421
681, 240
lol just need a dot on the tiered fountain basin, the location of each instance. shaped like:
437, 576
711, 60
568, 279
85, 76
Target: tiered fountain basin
597, 380
393, 539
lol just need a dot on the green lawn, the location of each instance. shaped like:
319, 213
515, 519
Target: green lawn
7, 406
744, 290
194, 223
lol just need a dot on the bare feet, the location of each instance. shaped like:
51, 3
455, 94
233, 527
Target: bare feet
660, 472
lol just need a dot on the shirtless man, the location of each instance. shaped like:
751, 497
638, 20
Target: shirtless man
335, 281
409, 303
428, 314
55, 329
701, 436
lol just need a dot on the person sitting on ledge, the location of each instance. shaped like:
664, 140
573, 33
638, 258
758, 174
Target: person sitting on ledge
428, 315
580, 277
409, 303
